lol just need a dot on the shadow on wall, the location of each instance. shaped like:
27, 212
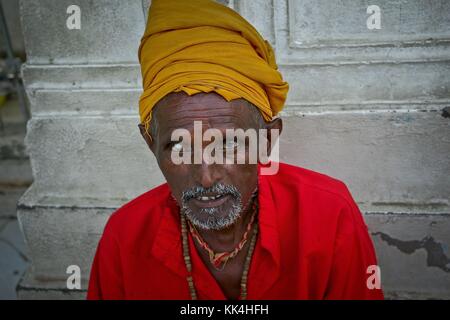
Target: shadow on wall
12, 16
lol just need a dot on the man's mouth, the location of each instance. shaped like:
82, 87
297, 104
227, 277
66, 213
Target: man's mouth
213, 197
209, 201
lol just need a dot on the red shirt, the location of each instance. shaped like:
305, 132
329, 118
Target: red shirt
312, 244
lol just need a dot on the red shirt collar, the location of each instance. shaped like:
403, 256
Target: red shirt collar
167, 244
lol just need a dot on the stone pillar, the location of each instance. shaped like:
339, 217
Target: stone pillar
86, 151
365, 106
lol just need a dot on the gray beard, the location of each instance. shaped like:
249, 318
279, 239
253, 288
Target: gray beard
213, 221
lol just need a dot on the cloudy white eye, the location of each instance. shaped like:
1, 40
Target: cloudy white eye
177, 147
180, 147
230, 145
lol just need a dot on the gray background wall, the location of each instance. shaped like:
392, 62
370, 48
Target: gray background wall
365, 106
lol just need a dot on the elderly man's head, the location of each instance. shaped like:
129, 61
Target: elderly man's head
212, 195
202, 62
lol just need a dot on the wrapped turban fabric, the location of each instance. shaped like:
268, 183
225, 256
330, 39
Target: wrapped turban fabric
202, 46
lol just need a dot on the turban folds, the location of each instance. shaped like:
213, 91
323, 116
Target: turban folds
202, 46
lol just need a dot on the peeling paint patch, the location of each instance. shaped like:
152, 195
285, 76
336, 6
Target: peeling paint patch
435, 251
446, 112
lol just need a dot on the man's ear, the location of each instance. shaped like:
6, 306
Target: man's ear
147, 137
276, 124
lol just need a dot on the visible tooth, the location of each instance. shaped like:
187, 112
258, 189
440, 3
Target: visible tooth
206, 198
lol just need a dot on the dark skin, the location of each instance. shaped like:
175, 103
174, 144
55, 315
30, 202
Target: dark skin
178, 110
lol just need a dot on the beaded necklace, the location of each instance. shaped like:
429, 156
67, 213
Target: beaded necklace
220, 259
187, 257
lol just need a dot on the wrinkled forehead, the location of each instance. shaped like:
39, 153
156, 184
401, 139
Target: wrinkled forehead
180, 110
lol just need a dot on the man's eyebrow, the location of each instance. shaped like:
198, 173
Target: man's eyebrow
166, 136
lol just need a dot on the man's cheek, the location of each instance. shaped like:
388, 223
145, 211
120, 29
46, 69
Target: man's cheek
177, 176
169, 167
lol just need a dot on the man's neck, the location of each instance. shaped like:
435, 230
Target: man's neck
226, 239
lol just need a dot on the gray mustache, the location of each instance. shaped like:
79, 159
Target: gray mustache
218, 188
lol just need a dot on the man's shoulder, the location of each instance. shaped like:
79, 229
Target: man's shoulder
324, 202
141, 210
305, 180
320, 193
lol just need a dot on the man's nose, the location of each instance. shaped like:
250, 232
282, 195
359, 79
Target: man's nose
206, 174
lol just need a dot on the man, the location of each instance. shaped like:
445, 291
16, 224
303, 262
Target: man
218, 229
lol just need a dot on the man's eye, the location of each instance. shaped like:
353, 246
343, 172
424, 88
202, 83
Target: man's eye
230, 145
177, 147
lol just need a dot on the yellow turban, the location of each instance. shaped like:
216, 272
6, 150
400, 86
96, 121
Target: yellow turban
202, 46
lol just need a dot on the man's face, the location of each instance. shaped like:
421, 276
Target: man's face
212, 196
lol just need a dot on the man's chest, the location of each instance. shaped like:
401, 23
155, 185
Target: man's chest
228, 276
